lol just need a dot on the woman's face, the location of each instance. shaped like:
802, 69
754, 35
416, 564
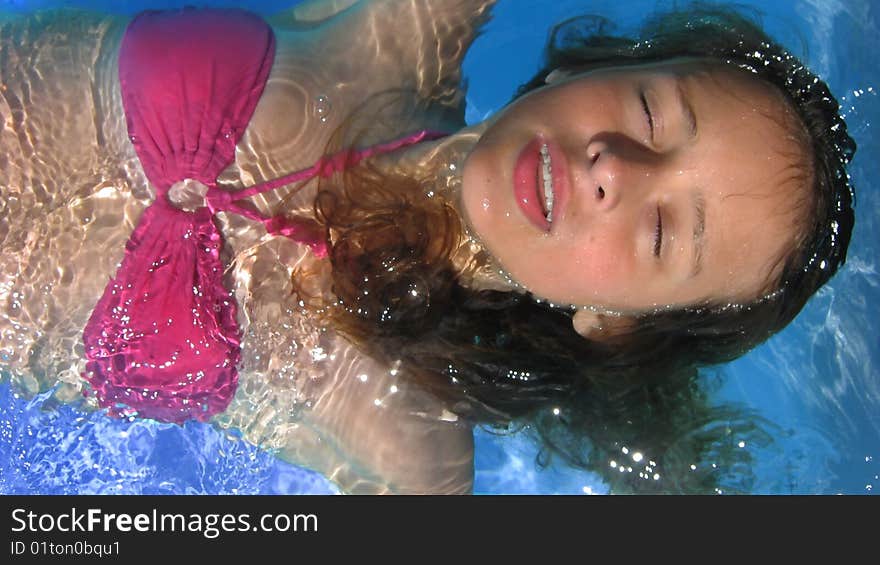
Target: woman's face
671, 184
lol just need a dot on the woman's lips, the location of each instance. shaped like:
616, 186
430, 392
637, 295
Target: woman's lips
526, 187
528, 191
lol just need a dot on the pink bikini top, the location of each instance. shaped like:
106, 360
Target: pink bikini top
163, 341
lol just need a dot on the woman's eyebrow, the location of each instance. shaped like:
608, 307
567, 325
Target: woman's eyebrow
686, 110
699, 231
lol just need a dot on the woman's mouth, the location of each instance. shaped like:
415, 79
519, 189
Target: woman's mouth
539, 182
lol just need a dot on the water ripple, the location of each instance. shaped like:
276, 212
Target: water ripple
57, 449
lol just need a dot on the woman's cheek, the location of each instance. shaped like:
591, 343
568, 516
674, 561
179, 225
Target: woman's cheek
597, 272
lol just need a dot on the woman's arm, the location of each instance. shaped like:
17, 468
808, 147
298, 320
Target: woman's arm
360, 424
383, 435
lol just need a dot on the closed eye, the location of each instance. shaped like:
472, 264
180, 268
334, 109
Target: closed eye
648, 115
658, 234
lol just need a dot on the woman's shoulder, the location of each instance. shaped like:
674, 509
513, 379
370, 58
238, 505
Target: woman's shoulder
396, 437
416, 45
67, 26
316, 397
356, 59
312, 13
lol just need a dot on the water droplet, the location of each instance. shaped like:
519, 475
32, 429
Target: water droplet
322, 107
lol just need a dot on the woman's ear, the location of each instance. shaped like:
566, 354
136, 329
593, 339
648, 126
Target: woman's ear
596, 326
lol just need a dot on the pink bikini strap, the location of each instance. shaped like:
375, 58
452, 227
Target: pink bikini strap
219, 200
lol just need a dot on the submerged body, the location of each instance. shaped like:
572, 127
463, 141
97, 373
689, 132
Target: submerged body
73, 191
568, 262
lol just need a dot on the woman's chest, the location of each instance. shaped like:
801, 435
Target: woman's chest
320, 98
316, 101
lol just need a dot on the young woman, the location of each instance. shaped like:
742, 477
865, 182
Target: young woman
644, 207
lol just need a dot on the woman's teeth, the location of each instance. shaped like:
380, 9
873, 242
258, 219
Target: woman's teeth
547, 175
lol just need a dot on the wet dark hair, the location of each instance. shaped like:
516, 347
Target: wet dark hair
501, 358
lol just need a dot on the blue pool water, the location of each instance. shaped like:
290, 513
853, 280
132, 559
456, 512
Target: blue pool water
817, 381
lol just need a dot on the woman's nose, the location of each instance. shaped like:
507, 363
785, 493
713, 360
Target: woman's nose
603, 181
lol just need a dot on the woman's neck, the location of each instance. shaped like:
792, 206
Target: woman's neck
441, 163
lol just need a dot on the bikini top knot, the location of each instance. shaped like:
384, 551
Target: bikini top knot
188, 195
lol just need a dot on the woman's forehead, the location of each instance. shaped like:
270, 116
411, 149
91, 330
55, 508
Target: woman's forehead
713, 71
757, 178
680, 65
